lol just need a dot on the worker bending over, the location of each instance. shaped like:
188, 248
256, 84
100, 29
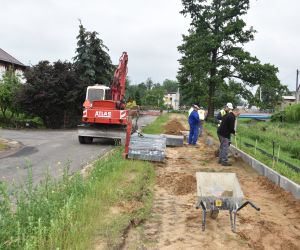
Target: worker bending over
194, 122
225, 130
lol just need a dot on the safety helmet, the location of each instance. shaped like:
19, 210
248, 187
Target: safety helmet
229, 105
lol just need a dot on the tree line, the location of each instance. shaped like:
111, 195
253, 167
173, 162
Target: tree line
150, 94
54, 92
214, 69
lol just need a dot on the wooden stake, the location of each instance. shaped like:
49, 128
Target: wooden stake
278, 154
235, 142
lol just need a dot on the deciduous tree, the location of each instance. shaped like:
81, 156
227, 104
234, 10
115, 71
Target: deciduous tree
9, 85
213, 50
170, 85
53, 92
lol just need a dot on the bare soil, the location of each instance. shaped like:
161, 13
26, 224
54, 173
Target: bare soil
175, 223
174, 127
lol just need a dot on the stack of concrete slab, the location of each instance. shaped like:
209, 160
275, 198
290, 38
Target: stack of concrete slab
147, 147
174, 140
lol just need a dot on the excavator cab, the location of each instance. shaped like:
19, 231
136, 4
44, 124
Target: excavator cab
96, 93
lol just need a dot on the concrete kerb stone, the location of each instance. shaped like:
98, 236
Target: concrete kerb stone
272, 175
209, 141
235, 151
148, 147
290, 186
259, 167
173, 140
247, 158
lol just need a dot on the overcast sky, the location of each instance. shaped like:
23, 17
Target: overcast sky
149, 30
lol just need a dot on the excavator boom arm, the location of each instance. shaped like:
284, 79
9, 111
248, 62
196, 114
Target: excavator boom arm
119, 80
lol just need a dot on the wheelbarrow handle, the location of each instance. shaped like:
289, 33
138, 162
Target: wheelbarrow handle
246, 203
202, 205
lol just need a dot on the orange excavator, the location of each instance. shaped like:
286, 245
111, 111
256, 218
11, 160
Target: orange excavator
105, 114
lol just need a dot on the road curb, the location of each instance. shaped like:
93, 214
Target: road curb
12, 147
271, 174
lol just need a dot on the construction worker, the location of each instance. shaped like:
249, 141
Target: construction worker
191, 109
194, 122
202, 114
224, 112
227, 127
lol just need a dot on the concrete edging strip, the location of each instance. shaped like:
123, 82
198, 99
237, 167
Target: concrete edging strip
272, 175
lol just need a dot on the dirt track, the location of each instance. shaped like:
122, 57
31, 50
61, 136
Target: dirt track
176, 224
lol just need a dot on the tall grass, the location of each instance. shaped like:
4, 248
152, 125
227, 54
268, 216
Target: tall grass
293, 113
66, 213
285, 135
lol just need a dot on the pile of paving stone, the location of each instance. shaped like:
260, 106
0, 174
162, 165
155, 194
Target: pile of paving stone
151, 147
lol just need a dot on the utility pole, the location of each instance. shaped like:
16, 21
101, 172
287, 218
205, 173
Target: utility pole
297, 87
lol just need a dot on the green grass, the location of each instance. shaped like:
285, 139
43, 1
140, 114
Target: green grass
156, 127
285, 135
19, 121
74, 212
293, 113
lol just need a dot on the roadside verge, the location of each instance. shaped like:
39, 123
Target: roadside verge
77, 212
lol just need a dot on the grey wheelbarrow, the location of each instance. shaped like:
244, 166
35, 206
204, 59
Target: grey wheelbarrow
220, 191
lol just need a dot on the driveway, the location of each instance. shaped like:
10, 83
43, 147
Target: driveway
50, 150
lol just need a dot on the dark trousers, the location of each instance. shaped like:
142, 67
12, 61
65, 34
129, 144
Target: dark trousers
194, 132
223, 151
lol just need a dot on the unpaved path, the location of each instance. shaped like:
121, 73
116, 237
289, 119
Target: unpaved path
176, 224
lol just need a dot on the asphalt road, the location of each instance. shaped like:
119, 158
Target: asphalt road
50, 150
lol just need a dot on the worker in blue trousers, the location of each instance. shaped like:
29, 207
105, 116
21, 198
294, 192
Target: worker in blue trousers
194, 122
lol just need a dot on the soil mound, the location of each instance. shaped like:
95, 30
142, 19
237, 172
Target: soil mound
174, 127
185, 185
178, 183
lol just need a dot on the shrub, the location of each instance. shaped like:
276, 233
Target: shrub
279, 117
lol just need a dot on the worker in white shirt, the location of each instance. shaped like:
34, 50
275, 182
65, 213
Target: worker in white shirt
202, 114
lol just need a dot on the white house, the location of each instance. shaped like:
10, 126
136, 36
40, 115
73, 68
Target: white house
295, 95
6, 61
287, 100
172, 100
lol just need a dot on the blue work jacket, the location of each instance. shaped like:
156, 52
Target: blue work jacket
194, 119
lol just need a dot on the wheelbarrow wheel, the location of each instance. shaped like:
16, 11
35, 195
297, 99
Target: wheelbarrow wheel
214, 214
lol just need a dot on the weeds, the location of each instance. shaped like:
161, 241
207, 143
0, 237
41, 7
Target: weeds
263, 134
293, 113
66, 213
